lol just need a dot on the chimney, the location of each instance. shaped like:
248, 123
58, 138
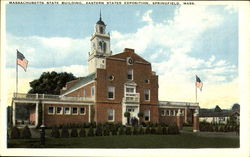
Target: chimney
129, 50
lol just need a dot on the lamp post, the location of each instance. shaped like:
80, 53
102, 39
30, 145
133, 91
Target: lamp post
42, 134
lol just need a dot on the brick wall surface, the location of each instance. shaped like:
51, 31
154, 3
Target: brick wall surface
118, 68
154, 114
102, 112
55, 119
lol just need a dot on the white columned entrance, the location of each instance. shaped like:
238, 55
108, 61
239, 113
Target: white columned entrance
131, 101
89, 113
13, 113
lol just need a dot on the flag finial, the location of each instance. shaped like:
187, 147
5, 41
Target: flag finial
100, 14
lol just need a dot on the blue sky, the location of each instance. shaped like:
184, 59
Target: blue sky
179, 41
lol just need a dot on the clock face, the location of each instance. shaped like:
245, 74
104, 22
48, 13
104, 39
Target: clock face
130, 61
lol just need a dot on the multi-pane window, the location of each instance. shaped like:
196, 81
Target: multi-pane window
93, 91
59, 110
169, 113
51, 110
111, 92
66, 110
147, 115
130, 74
130, 90
82, 110
147, 94
111, 113
163, 112
74, 110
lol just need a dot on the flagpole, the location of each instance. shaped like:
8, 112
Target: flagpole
16, 76
195, 90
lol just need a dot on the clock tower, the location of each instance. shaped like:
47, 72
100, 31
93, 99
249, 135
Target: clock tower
100, 47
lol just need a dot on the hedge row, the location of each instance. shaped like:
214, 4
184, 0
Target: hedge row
95, 125
108, 130
16, 133
204, 126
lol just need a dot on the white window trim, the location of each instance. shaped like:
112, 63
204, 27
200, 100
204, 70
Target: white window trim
113, 93
148, 94
61, 110
113, 115
148, 116
69, 111
84, 111
53, 110
72, 111
132, 74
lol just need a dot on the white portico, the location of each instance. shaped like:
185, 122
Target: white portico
131, 101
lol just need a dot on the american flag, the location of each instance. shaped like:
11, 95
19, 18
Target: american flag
198, 83
21, 60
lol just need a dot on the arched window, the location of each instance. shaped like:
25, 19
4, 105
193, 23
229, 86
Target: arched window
101, 30
104, 46
100, 45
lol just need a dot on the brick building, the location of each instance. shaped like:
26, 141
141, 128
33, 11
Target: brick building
116, 84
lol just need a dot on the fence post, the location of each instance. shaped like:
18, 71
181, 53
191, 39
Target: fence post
196, 121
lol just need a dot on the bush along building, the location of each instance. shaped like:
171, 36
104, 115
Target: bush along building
119, 88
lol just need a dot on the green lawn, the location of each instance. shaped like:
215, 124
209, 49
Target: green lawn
135, 141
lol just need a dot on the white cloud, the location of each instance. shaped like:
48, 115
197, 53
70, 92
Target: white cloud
231, 8
48, 52
146, 17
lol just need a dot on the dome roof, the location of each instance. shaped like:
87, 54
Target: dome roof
100, 22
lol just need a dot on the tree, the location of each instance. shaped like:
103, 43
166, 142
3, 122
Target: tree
50, 82
217, 109
236, 107
127, 114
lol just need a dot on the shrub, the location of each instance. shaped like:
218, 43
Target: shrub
135, 131
221, 128
143, 124
98, 131
164, 130
147, 131
113, 130
15, 133
153, 130
128, 131
26, 132
141, 131
74, 132
55, 132
93, 124
173, 129
159, 130
106, 131
65, 132
82, 132
91, 132
121, 131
